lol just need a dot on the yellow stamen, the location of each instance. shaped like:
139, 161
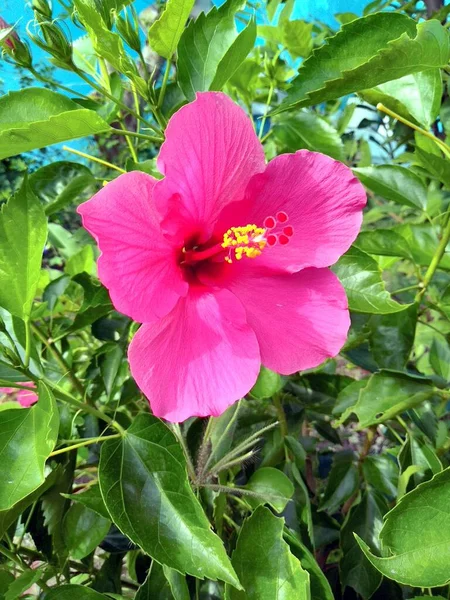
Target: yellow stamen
245, 241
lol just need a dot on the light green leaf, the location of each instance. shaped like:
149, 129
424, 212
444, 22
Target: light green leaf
308, 130
416, 536
368, 52
145, 487
275, 488
165, 33
264, 562
72, 592
416, 97
27, 437
81, 262
360, 275
386, 395
61, 183
83, 530
395, 183
383, 242
267, 384
204, 45
297, 37
36, 117
23, 231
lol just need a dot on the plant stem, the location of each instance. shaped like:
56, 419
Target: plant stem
440, 250
141, 136
178, 434
263, 120
221, 438
86, 442
94, 158
445, 149
26, 360
129, 143
58, 85
405, 289
162, 92
281, 415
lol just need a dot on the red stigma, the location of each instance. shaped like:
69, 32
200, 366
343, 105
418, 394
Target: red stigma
282, 217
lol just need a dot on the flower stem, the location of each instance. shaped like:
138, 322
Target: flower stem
141, 136
162, 92
440, 250
129, 143
94, 158
86, 442
263, 120
445, 149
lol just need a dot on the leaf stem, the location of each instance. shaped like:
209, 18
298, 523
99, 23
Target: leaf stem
129, 143
40, 77
440, 250
445, 149
281, 414
94, 158
86, 442
141, 136
26, 360
266, 112
189, 464
162, 92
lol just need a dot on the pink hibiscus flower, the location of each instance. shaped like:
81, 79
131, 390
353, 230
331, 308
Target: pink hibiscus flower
25, 398
10, 40
224, 261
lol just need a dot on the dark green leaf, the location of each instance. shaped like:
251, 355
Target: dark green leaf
92, 499
36, 117
163, 583
96, 302
367, 52
83, 530
437, 167
27, 437
391, 338
440, 358
264, 563
383, 242
342, 482
381, 472
23, 582
144, 485
21, 254
73, 592
416, 534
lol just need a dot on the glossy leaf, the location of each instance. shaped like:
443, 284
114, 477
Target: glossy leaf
395, 183
273, 573
394, 46
273, 485
416, 97
342, 482
165, 33
423, 515
361, 277
163, 583
310, 131
386, 395
391, 338
83, 530
383, 242
27, 437
91, 499
21, 255
144, 485
204, 46
36, 117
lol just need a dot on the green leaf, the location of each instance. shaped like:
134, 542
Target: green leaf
381, 472
203, 47
275, 488
72, 592
422, 240
36, 117
395, 183
267, 384
83, 530
440, 358
416, 536
342, 482
165, 33
436, 166
308, 130
386, 395
360, 275
23, 582
61, 183
27, 437
416, 97
96, 302
365, 53
108, 44
365, 519
264, 563
81, 262
145, 487
297, 37
23, 231
163, 583
391, 338
92, 499
416, 453
383, 242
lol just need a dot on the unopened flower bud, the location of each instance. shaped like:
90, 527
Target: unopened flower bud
42, 7
8, 37
54, 41
128, 27
13, 46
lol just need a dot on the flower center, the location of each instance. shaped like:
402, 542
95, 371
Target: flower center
245, 241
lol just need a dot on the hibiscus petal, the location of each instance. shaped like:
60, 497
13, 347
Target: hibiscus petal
198, 360
210, 153
323, 201
300, 319
137, 265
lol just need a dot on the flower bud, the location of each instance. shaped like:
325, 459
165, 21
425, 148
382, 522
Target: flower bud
53, 40
8, 37
128, 27
42, 7
13, 46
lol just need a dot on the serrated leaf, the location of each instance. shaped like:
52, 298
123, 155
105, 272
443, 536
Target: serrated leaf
36, 117
416, 97
27, 437
416, 536
273, 573
395, 183
368, 52
165, 33
21, 254
145, 487
204, 45
360, 275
